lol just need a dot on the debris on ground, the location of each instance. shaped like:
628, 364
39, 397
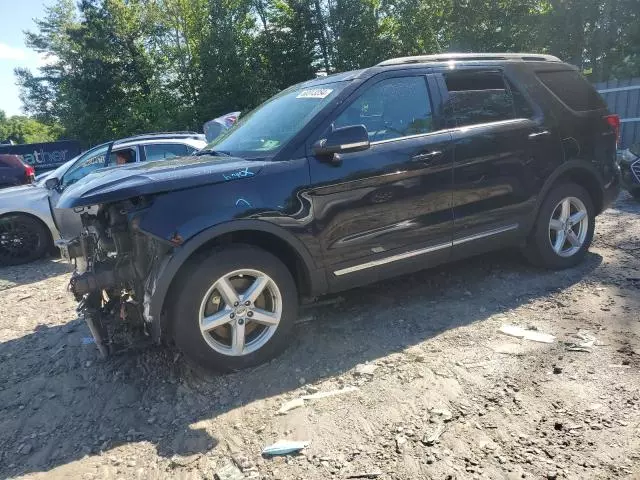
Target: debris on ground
330, 393
365, 369
285, 447
526, 334
582, 342
368, 474
432, 435
229, 472
290, 405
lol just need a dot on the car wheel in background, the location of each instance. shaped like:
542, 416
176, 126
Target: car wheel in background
564, 228
23, 239
235, 309
635, 193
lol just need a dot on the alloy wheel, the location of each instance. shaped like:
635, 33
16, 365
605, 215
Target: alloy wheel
240, 312
17, 240
568, 226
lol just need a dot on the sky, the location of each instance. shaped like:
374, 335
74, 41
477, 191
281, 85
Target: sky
17, 16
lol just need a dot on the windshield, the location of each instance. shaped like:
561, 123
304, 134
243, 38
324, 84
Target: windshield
58, 172
269, 127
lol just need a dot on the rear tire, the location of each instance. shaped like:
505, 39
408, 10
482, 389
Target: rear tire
635, 193
236, 309
23, 239
564, 228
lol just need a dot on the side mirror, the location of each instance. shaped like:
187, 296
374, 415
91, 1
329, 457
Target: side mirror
52, 183
353, 138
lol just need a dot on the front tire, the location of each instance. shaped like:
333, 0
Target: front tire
564, 228
23, 239
236, 309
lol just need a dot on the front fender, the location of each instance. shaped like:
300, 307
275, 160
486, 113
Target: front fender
172, 264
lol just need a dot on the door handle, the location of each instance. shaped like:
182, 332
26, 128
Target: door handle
543, 133
423, 157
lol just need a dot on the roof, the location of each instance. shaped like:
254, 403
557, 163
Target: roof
160, 135
445, 57
194, 142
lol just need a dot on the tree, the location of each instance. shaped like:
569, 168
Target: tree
21, 129
118, 67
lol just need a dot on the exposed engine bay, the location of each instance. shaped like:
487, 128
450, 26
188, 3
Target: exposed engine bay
114, 274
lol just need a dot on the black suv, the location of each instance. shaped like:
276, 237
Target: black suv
342, 181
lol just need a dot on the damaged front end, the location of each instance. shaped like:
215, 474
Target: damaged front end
116, 269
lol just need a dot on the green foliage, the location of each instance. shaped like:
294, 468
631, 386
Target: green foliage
22, 129
118, 67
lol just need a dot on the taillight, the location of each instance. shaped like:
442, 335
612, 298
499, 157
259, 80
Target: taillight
614, 121
29, 172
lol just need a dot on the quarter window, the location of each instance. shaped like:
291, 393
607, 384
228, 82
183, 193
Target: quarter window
572, 89
477, 97
393, 108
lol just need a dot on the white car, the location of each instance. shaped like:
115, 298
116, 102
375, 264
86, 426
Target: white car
28, 229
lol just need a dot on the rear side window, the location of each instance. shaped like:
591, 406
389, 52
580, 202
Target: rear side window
477, 97
10, 161
572, 89
168, 150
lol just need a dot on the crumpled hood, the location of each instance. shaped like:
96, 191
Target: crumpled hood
119, 183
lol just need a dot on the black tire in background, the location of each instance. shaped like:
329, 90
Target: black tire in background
538, 249
201, 276
23, 239
635, 193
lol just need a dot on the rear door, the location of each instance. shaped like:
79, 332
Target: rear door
386, 209
502, 146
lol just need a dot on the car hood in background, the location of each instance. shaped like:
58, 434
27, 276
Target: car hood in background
119, 183
20, 195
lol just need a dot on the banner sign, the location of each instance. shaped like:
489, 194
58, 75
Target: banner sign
44, 156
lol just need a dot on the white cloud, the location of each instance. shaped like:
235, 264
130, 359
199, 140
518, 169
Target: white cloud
8, 52
46, 59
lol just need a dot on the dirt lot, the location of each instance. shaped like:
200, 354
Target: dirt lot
441, 393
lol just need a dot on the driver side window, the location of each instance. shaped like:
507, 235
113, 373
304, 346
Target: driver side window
393, 108
84, 166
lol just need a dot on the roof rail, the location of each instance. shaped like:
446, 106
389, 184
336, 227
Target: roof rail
446, 57
160, 135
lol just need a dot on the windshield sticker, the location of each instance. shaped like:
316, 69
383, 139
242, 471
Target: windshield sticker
269, 145
315, 93
239, 174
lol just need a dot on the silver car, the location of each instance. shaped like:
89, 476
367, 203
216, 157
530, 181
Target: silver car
28, 228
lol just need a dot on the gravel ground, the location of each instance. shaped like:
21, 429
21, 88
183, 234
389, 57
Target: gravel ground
440, 392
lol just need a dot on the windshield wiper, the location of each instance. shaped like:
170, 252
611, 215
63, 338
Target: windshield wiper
210, 151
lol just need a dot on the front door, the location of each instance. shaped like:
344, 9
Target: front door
387, 209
